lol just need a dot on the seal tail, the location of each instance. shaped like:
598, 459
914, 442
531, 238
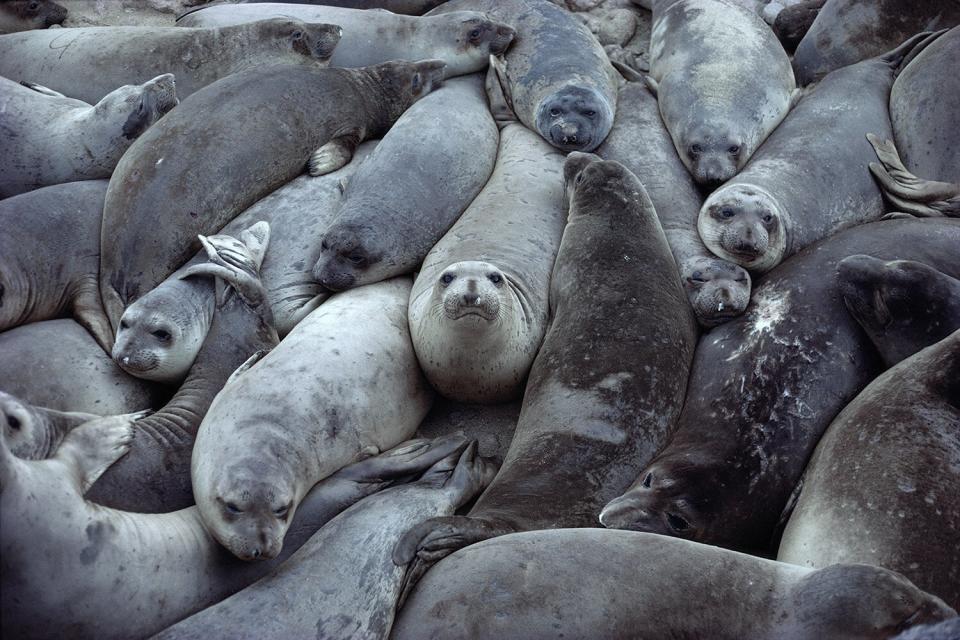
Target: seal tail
898, 59
907, 192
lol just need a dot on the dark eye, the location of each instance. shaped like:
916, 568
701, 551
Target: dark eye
282, 511
356, 258
495, 278
447, 278
124, 325
742, 279
590, 113
232, 508
161, 335
726, 214
297, 35
767, 218
14, 423
648, 480
475, 34
695, 148
33, 6
696, 279
324, 246
677, 523
555, 112
734, 149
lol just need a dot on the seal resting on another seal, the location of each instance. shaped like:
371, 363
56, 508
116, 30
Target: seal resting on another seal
45, 274
478, 310
591, 583
555, 77
881, 488
794, 21
24, 15
763, 389
380, 233
51, 139
718, 290
722, 80
87, 63
946, 630
810, 178
342, 580
254, 130
345, 380
608, 383
34, 433
902, 305
464, 40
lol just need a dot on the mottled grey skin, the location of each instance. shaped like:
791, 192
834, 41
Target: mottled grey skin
811, 178
344, 381
60, 366
765, 386
848, 31
34, 433
792, 24
342, 583
608, 383
23, 15
74, 569
87, 63
946, 630
881, 488
590, 583
723, 83
907, 193
465, 40
556, 77
50, 257
718, 290
52, 140
412, 188
406, 7
902, 305
478, 310
253, 131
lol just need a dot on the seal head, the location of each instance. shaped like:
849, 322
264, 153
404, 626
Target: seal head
575, 118
717, 290
712, 154
477, 36
316, 41
745, 225
471, 292
24, 15
146, 103
33, 433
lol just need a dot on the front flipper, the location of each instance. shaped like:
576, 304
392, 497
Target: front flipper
333, 155
405, 460
923, 198
88, 312
497, 86
39, 88
91, 448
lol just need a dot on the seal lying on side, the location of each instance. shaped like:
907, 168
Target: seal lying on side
74, 569
50, 140
881, 487
810, 179
406, 7
60, 366
478, 309
88, 63
465, 40
717, 289
902, 305
848, 31
722, 81
380, 232
45, 273
794, 21
154, 477
590, 583
255, 130
34, 433
23, 15
608, 383
268, 437
765, 386
556, 77
342, 581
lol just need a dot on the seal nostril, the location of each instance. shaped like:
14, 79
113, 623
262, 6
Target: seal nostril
256, 553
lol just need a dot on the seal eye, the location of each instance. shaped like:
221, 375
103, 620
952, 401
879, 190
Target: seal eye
767, 218
124, 325
14, 423
590, 113
555, 112
734, 149
695, 149
495, 278
726, 214
648, 480
232, 508
677, 523
447, 278
356, 259
475, 34
282, 511
297, 35
33, 7
696, 279
161, 335
324, 246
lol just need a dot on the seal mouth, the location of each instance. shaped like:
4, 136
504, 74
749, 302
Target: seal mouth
135, 367
460, 314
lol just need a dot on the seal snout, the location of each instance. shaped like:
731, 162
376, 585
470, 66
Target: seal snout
503, 37
625, 513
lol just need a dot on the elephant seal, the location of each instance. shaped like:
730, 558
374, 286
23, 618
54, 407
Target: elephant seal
722, 81
87, 63
23, 15
334, 598
465, 40
811, 178
608, 383
267, 439
765, 386
154, 477
478, 310
848, 31
257, 128
946, 630
58, 139
405, 7
381, 233
45, 274
794, 21
60, 366
881, 487
34, 433
718, 290
71, 568
908, 193
591, 583
902, 305
556, 77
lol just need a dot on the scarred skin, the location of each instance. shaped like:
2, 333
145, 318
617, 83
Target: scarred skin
89, 62
23, 15
881, 487
763, 389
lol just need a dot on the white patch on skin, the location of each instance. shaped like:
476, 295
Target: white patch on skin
769, 310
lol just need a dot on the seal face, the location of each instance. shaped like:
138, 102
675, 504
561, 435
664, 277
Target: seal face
745, 225
712, 152
343, 257
717, 290
471, 290
23, 15
575, 118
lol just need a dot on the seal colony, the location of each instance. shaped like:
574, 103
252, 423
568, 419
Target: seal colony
700, 384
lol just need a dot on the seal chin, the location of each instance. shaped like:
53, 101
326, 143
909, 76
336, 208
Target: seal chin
575, 119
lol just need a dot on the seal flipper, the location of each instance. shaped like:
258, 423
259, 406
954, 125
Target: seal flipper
910, 194
88, 450
42, 89
334, 155
88, 311
498, 93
